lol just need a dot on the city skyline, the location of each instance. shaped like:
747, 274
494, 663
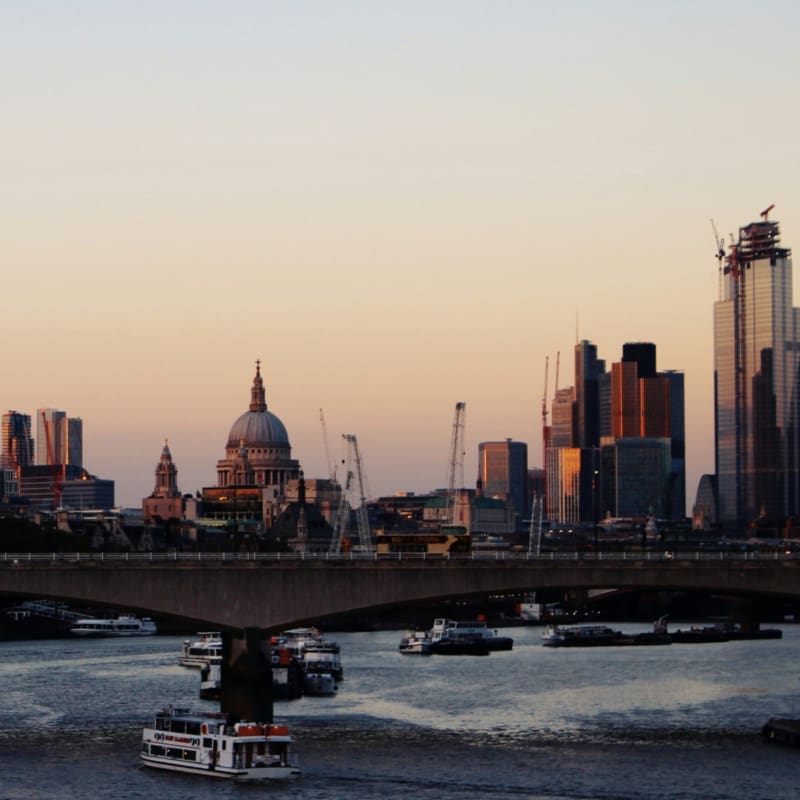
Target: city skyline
396, 208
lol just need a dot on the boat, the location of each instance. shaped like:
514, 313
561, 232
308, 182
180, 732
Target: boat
603, 636
464, 632
287, 678
415, 643
320, 668
740, 630
320, 684
213, 745
311, 650
123, 625
196, 653
460, 647
580, 636
700, 635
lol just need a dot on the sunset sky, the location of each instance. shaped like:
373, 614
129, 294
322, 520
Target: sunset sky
396, 206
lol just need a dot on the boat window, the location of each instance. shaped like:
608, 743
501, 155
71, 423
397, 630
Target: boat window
207, 742
193, 728
156, 750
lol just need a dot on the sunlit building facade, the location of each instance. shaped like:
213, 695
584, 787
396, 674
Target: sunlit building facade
756, 349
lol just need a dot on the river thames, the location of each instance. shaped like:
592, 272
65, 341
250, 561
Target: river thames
681, 721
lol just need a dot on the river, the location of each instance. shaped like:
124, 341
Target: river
681, 721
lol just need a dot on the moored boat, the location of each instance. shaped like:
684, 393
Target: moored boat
700, 635
580, 636
603, 636
287, 678
212, 745
198, 652
466, 632
124, 625
415, 643
312, 651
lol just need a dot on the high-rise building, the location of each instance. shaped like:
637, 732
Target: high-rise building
503, 472
17, 444
51, 429
756, 349
562, 429
75, 441
588, 369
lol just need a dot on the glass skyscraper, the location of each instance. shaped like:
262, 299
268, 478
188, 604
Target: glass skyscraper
756, 351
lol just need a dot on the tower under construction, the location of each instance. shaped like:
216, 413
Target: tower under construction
756, 349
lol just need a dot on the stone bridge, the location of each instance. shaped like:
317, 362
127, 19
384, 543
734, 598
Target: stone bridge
271, 592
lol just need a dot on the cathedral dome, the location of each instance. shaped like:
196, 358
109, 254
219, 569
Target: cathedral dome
257, 426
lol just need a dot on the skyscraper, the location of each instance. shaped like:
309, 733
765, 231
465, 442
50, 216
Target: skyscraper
503, 468
755, 375
50, 436
17, 449
588, 369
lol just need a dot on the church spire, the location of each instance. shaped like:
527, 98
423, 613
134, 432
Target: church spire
258, 401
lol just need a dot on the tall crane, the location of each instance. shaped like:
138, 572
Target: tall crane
455, 481
328, 463
355, 470
546, 430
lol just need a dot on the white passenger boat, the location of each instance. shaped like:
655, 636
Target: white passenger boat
450, 632
209, 744
312, 651
415, 643
199, 652
119, 626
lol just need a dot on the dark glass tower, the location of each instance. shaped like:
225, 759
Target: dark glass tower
755, 381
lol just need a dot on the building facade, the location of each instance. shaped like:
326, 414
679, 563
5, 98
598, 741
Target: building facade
503, 473
253, 476
17, 444
756, 350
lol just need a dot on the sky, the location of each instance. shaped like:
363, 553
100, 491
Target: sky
396, 206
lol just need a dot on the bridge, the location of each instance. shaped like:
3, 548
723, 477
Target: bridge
236, 591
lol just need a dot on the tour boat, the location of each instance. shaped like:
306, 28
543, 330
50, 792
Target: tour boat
210, 744
312, 651
199, 652
119, 626
446, 633
415, 643
287, 678
580, 636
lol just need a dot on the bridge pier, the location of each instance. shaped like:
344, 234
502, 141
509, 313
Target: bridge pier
246, 676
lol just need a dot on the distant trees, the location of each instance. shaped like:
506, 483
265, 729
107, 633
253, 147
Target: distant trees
25, 536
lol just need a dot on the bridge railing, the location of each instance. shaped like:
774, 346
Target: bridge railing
16, 559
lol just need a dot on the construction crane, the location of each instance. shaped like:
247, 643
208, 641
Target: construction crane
455, 480
341, 523
330, 464
765, 213
546, 431
51, 460
354, 470
720, 242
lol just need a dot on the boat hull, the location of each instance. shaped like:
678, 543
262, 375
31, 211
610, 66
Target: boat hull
255, 774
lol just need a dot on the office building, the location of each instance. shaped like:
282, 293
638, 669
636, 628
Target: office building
503, 473
756, 350
588, 369
17, 444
